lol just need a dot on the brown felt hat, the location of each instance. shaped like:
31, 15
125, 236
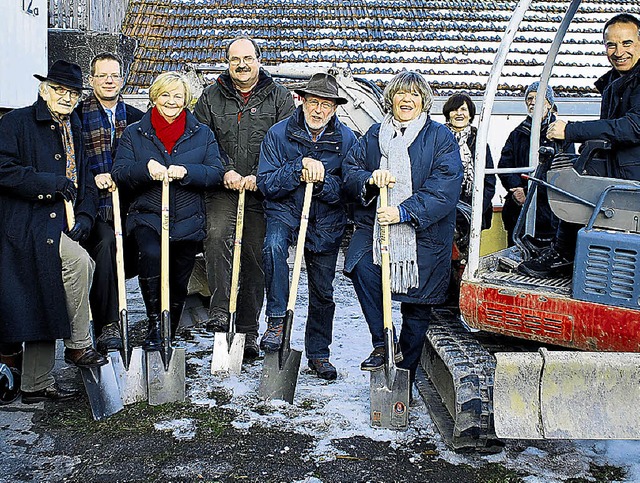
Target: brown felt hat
322, 85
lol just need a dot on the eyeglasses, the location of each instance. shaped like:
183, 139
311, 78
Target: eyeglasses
62, 91
325, 105
104, 77
247, 60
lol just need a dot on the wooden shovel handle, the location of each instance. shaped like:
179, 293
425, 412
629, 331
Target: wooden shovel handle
164, 247
302, 236
117, 228
385, 266
237, 249
71, 217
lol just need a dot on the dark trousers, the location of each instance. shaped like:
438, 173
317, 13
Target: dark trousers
218, 251
103, 297
367, 281
321, 269
182, 257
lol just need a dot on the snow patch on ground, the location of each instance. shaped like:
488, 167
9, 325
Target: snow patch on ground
328, 411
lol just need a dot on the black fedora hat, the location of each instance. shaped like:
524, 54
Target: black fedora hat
64, 73
322, 85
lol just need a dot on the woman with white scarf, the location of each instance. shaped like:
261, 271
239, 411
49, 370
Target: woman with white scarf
423, 159
459, 112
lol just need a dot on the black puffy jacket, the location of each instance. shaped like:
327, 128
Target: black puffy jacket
196, 150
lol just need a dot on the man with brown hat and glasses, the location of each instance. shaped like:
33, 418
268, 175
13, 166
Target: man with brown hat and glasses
308, 147
45, 273
239, 107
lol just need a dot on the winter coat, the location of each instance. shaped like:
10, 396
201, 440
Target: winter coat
240, 128
196, 150
619, 122
436, 171
32, 218
489, 182
515, 154
279, 173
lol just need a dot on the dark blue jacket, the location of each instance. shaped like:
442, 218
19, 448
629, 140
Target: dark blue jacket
515, 154
280, 168
489, 182
32, 296
619, 122
196, 150
436, 171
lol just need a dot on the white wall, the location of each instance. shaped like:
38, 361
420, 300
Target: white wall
23, 50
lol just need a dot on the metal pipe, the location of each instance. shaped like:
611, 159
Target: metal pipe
483, 136
538, 109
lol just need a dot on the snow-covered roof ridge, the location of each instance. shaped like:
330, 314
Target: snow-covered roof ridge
451, 42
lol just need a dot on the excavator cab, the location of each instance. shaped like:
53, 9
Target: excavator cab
535, 358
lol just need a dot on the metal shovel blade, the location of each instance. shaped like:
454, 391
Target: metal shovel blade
228, 351
280, 375
132, 381
389, 393
166, 386
102, 389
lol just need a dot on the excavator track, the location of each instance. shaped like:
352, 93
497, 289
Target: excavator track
456, 382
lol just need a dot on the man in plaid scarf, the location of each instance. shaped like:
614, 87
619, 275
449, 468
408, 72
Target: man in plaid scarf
104, 116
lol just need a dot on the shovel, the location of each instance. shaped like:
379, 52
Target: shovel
129, 364
228, 349
280, 370
389, 391
165, 368
100, 382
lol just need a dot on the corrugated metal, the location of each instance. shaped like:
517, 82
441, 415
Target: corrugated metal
23, 50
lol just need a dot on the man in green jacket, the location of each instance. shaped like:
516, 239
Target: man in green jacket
239, 107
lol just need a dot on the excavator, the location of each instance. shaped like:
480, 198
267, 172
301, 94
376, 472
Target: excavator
520, 357
530, 358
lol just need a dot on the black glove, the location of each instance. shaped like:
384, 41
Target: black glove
66, 189
81, 229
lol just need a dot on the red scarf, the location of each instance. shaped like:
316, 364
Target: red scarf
168, 132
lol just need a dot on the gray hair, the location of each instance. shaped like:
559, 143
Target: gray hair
408, 81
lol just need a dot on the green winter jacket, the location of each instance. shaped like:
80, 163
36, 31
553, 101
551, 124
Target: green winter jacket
240, 127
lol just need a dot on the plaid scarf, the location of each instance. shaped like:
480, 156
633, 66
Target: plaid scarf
96, 132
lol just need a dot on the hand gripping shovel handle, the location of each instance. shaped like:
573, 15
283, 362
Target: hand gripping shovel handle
164, 276
122, 291
386, 286
297, 265
235, 269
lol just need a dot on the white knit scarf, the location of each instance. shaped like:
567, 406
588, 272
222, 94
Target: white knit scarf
403, 253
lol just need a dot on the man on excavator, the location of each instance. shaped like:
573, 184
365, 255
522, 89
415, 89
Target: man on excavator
619, 124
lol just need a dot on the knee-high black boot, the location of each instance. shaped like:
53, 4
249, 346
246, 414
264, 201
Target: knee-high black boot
150, 288
176, 314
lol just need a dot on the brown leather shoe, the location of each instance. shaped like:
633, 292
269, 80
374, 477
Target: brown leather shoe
86, 357
51, 393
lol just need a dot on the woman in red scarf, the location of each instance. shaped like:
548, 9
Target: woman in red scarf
168, 141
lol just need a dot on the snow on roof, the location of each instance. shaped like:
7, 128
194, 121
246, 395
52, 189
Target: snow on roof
452, 42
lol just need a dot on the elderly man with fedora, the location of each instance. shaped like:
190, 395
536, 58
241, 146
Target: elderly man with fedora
308, 147
45, 273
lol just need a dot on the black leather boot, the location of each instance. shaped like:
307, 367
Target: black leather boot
176, 314
150, 288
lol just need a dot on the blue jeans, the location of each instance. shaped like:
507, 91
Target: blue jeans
367, 282
321, 269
